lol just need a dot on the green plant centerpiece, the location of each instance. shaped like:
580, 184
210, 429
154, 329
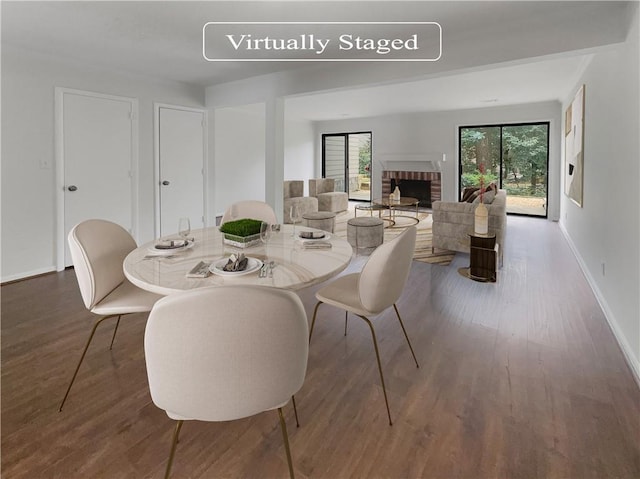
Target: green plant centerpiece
241, 233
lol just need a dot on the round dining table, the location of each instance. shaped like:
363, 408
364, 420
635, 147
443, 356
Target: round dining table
295, 263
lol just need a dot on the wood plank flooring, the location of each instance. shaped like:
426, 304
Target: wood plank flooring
518, 379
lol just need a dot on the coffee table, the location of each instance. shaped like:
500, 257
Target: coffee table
370, 207
394, 205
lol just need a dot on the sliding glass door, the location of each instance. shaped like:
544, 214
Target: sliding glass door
346, 157
515, 157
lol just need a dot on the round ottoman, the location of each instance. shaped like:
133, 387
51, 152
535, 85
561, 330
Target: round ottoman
365, 232
322, 220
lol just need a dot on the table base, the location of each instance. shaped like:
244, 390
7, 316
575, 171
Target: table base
466, 272
394, 225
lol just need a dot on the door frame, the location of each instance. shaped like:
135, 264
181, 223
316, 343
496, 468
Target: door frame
346, 163
60, 165
501, 126
156, 160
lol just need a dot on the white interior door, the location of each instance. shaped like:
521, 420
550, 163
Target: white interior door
96, 148
181, 136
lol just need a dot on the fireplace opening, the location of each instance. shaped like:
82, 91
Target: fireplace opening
420, 189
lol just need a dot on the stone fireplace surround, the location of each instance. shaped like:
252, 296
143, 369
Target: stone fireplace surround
421, 166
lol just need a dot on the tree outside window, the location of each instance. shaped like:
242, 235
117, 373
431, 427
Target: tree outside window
513, 156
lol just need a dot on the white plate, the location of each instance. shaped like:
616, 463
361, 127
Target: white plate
253, 264
169, 251
324, 238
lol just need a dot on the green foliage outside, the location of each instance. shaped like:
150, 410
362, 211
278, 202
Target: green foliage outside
524, 158
364, 157
473, 179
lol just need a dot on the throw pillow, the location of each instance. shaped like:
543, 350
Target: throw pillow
474, 197
468, 191
487, 197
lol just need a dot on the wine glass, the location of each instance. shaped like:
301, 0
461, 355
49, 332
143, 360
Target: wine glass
296, 216
265, 236
265, 232
184, 228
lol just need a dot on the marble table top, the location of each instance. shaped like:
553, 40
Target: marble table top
295, 267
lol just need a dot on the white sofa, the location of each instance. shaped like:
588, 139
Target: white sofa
453, 221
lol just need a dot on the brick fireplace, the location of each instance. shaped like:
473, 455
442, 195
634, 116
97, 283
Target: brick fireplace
424, 185
418, 175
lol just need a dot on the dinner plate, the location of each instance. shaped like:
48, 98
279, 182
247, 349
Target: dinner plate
170, 251
325, 237
253, 264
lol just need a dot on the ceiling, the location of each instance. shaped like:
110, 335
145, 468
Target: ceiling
540, 81
164, 40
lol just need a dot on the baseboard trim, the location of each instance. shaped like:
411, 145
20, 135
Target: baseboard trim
26, 275
627, 352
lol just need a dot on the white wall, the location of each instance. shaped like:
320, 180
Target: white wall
239, 148
299, 151
605, 232
28, 190
239, 155
437, 132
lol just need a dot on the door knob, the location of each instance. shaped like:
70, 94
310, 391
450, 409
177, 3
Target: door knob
72, 188
165, 183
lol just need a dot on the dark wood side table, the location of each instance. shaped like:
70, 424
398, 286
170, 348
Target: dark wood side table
483, 256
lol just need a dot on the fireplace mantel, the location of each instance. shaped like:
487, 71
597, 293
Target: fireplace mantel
411, 162
430, 162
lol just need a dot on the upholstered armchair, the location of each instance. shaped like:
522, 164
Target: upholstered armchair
328, 198
293, 191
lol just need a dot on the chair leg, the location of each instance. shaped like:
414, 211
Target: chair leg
375, 345
295, 409
73, 378
174, 443
285, 437
346, 316
114, 332
313, 321
405, 335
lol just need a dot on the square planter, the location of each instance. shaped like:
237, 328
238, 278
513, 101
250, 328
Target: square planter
241, 241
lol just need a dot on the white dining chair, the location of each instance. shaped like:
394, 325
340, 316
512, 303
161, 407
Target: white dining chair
257, 210
98, 248
224, 353
373, 290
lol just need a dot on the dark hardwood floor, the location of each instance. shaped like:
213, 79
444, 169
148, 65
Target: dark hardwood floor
518, 379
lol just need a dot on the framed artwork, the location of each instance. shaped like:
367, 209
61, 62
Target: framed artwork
574, 148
